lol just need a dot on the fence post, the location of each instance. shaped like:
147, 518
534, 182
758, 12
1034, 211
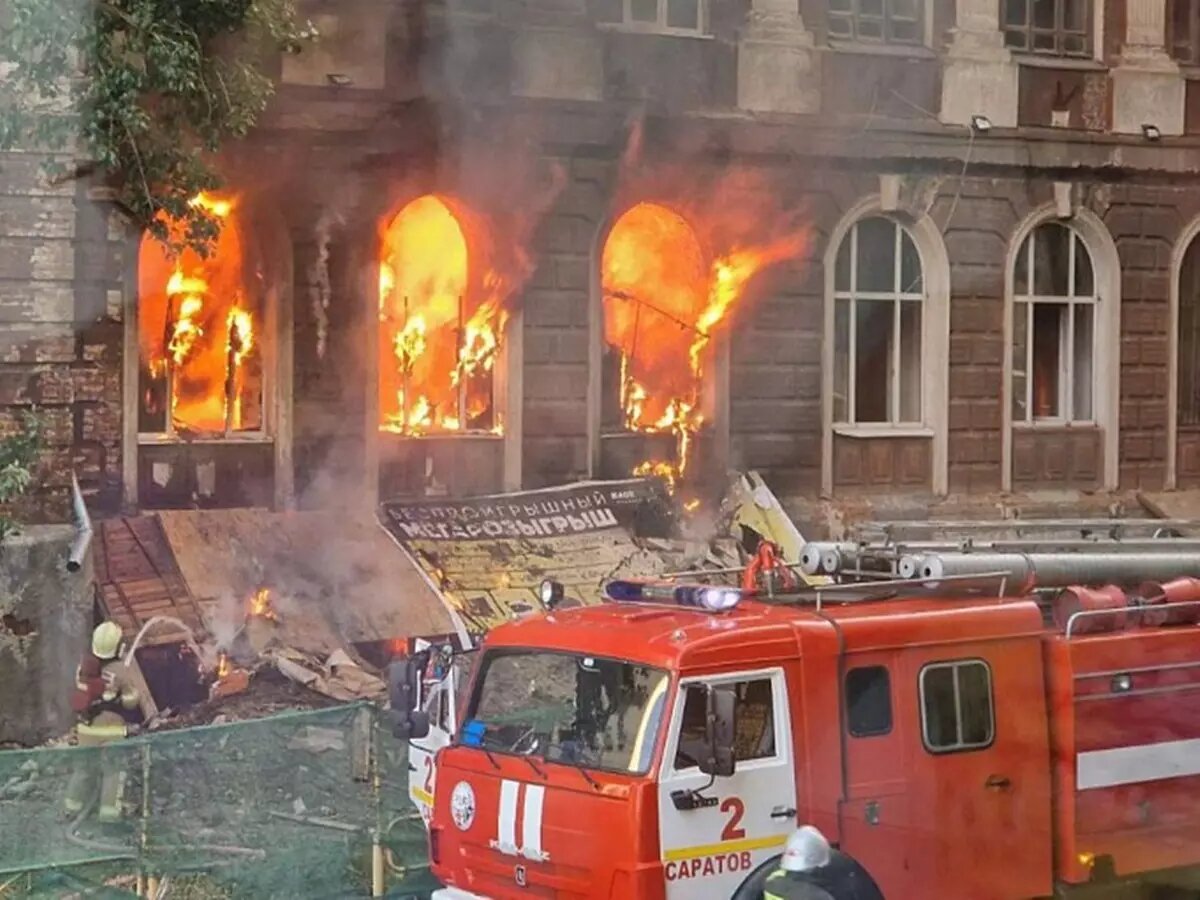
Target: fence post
146, 887
378, 886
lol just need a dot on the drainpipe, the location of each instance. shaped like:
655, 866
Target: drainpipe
83, 529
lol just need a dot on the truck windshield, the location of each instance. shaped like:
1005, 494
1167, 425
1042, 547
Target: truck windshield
578, 710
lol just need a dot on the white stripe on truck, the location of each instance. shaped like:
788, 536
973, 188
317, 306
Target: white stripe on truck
506, 834
531, 823
1137, 763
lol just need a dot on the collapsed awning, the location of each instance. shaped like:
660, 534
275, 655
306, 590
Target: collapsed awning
335, 578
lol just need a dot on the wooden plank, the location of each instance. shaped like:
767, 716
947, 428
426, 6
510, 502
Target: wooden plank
138, 578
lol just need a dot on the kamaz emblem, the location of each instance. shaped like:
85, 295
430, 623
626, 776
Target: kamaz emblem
519, 875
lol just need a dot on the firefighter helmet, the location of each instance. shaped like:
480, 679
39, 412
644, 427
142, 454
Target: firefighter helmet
806, 849
106, 640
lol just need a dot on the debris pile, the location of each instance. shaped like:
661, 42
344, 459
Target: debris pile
304, 611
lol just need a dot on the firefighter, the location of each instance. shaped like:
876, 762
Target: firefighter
806, 852
812, 870
104, 695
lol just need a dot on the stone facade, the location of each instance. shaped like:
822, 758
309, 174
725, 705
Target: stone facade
440, 94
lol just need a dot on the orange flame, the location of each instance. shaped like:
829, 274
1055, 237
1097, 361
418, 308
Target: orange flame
197, 332
223, 667
220, 207
438, 342
663, 302
260, 605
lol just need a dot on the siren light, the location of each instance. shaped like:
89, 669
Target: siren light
691, 596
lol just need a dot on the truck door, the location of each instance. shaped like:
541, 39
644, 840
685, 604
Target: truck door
981, 770
440, 701
714, 832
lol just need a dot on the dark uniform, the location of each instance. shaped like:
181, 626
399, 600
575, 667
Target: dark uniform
784, 885
840, 879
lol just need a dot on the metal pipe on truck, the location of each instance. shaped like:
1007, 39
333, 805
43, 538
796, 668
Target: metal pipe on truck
1024, 572
832, 557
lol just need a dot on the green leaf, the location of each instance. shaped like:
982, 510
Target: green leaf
151, 90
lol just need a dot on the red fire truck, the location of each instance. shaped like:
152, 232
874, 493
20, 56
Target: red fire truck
664, 745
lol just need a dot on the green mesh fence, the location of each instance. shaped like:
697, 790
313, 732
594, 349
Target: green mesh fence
289, 806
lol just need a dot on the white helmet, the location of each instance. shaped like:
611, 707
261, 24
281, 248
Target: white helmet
806, 849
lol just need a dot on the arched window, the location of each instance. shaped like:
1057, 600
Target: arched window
205, 335
657, 290
441, 325
1054, 328
1187, 368
879, 293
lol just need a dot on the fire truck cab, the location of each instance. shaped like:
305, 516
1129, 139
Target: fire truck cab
665, 746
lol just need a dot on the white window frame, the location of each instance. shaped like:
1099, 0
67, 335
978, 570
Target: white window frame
960, 745
897, 297
935, 336
1106, 368
779, 710
660, 26
1066, 358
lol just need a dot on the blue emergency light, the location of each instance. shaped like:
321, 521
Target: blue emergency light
693, 596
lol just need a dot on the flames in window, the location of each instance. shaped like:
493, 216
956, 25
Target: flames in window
200, 334
665, 297
440, 324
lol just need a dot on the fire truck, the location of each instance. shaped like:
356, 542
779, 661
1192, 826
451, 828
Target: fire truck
952, 742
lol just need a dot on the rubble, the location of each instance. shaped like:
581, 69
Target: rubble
339, 677
268, 693
278, 638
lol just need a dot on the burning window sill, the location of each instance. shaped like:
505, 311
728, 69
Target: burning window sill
883, 431
154, 440
442, 435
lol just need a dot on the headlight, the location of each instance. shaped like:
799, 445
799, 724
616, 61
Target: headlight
550, 592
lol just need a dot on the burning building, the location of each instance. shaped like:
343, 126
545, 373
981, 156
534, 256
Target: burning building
977, 274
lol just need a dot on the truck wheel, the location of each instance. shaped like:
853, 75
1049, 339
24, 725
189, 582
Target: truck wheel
844, 878
752, 887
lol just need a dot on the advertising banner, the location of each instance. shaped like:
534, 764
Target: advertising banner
487, 555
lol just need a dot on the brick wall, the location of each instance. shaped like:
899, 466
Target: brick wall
60, 332
1145, 222
556, 307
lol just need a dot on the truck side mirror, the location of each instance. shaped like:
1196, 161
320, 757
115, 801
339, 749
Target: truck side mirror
720, 727
404, 682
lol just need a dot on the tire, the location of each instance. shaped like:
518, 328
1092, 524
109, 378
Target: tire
752, 887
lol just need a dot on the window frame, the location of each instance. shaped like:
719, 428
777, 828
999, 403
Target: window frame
1059, 31
499, 374
887, 39
660, 24
1191, 40
897, 298
891, 707
779, 713
474, 696
268, 337
955, 665
1066, 362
